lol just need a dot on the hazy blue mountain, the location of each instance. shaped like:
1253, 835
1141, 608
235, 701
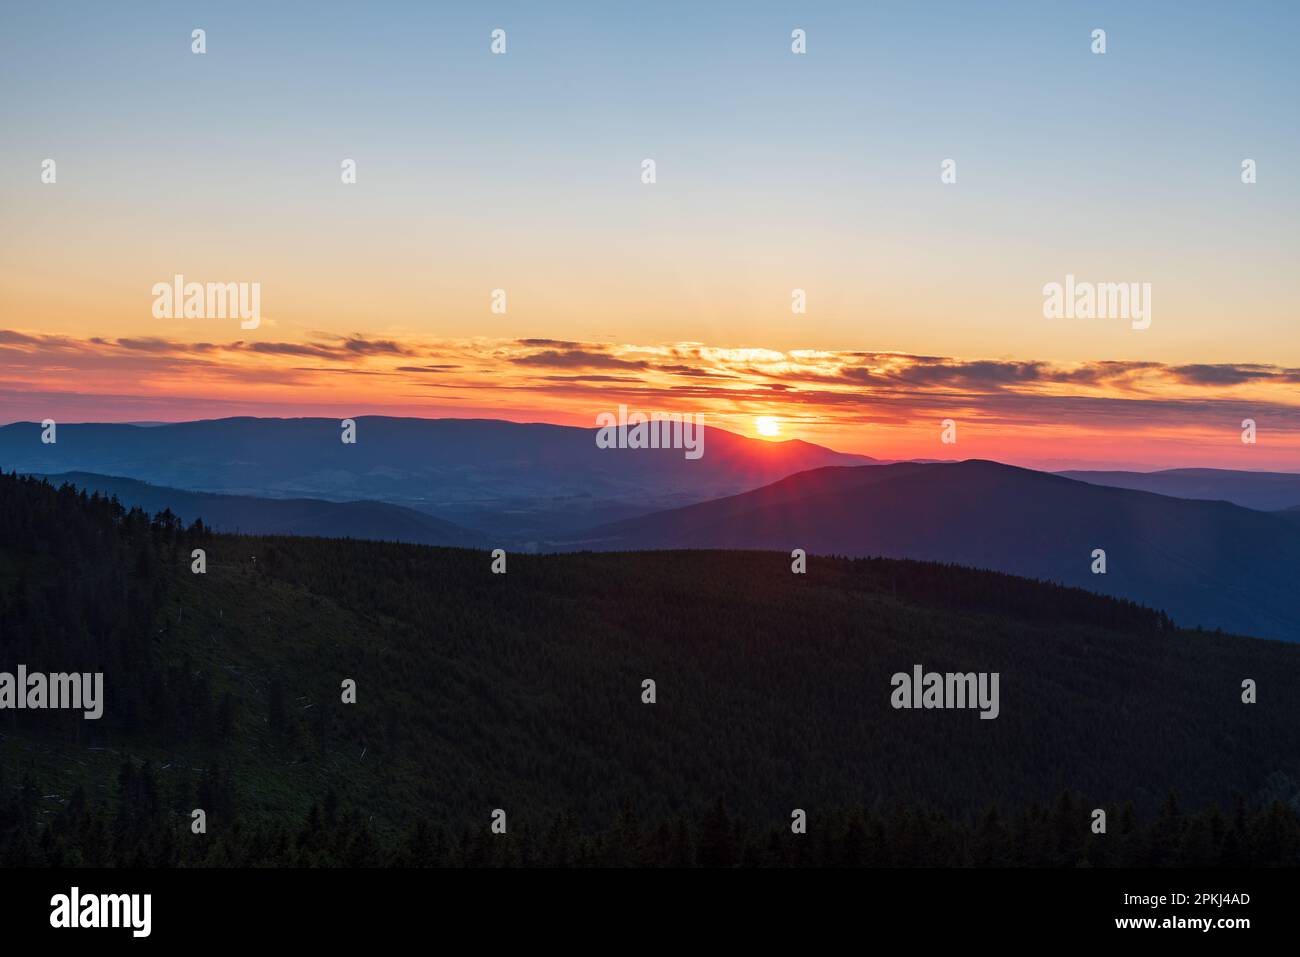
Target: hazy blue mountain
1267, 491
509, 479
295, 516
1206, 563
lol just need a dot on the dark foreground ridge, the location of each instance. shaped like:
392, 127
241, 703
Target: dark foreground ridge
523, 692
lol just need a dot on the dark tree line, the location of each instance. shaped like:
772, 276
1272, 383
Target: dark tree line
149, 825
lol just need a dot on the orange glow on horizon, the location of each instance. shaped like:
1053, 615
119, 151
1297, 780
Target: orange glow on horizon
887, 405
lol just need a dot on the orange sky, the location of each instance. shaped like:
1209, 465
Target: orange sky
775, 172
890, 405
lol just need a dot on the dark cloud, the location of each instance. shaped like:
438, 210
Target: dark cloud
588, 378
337, 371
147, 344
577, 359
550, 344
13, 337
983, 373
1231, 373
286, 349
369, 347
694, 371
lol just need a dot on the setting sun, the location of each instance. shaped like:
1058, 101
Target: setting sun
767, 426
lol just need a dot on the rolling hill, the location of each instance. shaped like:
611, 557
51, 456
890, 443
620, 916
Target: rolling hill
1210, 564
524, 691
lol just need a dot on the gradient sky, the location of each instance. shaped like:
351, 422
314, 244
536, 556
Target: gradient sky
775, 171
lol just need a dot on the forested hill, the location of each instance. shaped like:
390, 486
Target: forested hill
1208, 564
523, 691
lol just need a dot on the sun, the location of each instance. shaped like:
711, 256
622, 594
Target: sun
767, 426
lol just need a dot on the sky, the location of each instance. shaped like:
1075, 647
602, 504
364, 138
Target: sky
774, 172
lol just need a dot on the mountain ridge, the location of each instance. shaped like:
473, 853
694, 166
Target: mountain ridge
251, 515
525, 480
1260, 490
1204, 562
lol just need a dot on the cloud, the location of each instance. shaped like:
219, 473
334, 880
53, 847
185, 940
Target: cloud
577, 359
337, 371
286, 349
372, 347
10, 337
549, 343
694, 371
1233, 374
588, 378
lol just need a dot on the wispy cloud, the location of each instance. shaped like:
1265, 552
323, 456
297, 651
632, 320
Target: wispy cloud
577, 359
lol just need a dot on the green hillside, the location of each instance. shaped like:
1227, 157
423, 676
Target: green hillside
522, 691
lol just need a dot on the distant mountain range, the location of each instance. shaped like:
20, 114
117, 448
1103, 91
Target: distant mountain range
528, 481
244, 514
1212, 547
1207, 563
1268, 491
